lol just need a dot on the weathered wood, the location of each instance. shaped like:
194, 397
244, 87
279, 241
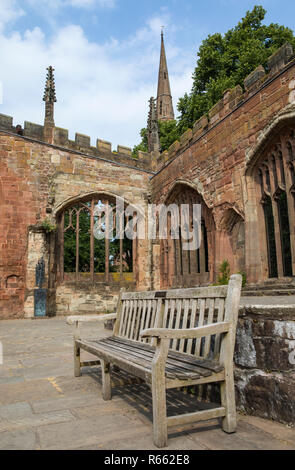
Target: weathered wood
90, 363
183, 358
202, 305
77, 360
90, 318
192, 293
220, 317
158, 337
159, 394
120, 307
194, 303
201, 381
106, 380
195, 417
209, 322
227, 389
172, 364
199, 332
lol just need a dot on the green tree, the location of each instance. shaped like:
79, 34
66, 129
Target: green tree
99, 248
168, 133
224, 61
143, 146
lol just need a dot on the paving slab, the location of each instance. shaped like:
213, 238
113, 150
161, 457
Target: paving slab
43, 406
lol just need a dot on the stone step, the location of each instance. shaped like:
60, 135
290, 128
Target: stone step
269, 292
269, 287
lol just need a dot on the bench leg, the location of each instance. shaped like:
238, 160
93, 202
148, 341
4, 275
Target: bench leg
106, 380
159, 412
227, 391
77, 361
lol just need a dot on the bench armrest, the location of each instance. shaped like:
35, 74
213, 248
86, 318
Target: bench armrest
90, 318
191, 333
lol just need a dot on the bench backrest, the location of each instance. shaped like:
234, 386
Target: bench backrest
180, 308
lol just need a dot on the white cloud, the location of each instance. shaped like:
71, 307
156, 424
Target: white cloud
56, 5
102, 89
91, 3
9, 12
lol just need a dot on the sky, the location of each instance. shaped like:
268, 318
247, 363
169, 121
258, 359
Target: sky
106, 56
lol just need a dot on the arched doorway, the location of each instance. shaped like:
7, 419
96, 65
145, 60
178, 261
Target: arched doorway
179, 266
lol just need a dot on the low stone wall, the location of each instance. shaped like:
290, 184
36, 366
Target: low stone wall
81, 301
265, 362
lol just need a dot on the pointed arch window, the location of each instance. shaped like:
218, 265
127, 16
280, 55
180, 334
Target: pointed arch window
182, 267
86, 252
276, 180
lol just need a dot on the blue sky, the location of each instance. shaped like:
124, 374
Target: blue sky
106, 56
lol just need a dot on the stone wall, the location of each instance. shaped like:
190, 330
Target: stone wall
214, 158
265, 362
37, 181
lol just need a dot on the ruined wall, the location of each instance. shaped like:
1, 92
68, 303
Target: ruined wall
213, 157
36, 181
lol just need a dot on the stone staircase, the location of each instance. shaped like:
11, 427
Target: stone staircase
270, 288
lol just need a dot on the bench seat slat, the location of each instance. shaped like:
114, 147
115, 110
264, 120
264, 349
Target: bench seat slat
146, 357
172, 364
145, 361
129, 352
176, 362
197, 361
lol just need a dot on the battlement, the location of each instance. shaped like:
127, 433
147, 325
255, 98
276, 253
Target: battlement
231, 100
82, 143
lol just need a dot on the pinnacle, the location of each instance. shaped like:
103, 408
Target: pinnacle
49, 93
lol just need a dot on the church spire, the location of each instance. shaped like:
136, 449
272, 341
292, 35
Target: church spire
164, 97
49, 98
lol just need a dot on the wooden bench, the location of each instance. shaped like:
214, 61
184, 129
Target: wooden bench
171, 339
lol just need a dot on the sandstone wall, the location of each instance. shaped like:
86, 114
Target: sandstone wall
36, 181
214, 156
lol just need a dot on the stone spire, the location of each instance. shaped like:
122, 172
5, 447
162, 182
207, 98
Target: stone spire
164, 97
153, 128
49, 98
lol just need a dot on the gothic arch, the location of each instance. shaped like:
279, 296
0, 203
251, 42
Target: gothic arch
179, 181
83, 197
285, 117
77, 219
270, 206
230, 243
180, 267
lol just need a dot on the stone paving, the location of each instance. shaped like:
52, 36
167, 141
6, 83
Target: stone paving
42, 406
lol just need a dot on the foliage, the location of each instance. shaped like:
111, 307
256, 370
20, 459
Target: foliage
48, 226
224, 273
168, 134
224, 61
143, 146
244, 278
99, 248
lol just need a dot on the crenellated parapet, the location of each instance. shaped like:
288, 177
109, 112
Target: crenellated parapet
81, 144
232, 99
